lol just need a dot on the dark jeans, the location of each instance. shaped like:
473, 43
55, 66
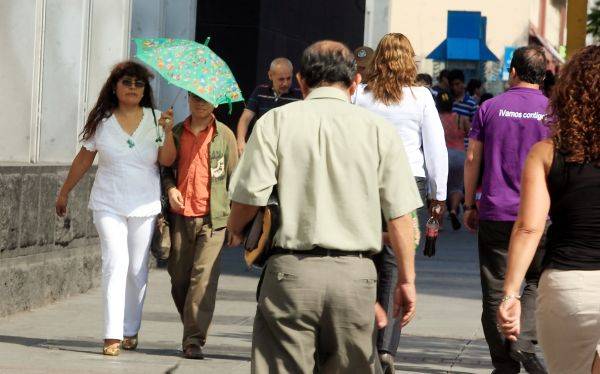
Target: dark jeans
388, 338
493, 239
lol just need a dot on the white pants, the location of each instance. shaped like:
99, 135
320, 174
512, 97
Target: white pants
125, 243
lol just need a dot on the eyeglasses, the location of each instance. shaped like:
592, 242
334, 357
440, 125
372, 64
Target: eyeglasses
131, 83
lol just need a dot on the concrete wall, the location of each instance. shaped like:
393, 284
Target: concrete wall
425, 23
56, 56
377, 21
20, 41
44, 257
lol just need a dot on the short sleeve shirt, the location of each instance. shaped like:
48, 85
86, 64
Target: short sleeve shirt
263, 99
337, 166
508, 125
127, 181
465, 107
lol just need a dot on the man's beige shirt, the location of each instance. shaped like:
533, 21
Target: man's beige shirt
337, 166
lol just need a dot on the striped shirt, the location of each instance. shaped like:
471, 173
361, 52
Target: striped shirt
465, 107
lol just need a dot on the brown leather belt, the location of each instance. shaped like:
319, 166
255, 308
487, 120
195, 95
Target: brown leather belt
320, 252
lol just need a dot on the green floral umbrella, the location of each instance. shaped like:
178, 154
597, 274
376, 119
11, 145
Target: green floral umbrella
191, 66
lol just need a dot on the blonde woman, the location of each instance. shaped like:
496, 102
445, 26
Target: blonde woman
123, 130
390, 90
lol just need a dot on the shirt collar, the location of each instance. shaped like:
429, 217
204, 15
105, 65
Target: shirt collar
188, 122
526, 89
328, 92
276, 95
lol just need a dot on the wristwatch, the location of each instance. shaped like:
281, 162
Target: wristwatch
469, 207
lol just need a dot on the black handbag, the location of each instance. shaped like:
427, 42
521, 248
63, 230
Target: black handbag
160, 246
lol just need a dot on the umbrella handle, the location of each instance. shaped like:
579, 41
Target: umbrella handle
230, 105
176, 97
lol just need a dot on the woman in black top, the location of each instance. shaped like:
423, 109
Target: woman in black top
562, 178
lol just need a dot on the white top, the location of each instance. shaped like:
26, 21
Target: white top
418, 123
127, 182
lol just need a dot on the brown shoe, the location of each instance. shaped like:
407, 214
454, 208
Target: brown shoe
113, 349
193, 352
130, 342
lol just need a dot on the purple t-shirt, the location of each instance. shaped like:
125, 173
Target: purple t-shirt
508, 126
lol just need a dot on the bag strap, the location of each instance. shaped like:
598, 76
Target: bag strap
158, 137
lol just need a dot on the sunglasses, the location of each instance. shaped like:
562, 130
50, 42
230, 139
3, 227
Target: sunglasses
131, 83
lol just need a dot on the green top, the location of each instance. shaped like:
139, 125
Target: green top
223, 159
337, 166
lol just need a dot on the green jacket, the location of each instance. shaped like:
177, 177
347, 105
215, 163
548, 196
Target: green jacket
223, 159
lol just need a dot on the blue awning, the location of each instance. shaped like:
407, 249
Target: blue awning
466, 49
465, 39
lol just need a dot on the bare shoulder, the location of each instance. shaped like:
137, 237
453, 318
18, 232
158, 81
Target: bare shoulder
543, 152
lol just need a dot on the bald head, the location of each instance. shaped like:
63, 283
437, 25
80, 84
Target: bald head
281, 62
327, 63
280, 74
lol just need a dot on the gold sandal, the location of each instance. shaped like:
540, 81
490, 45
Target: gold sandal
113, 349
130, 342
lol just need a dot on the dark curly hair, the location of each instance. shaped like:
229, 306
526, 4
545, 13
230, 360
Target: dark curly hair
574, 113
107, 99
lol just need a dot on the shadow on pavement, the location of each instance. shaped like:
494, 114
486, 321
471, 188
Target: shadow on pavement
95, 348
448, 352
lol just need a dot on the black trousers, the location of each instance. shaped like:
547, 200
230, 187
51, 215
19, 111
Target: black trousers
493, 240
388, 338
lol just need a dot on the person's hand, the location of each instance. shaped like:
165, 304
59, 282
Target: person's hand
241, 144
166, 121
405, 302
61, 204
509, 318
175, 199
471, 219
436, 209
234, 240
380, 316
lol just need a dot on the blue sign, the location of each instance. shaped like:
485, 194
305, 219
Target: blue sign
508, 55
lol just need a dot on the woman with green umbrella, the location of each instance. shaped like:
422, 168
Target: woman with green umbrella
125, 199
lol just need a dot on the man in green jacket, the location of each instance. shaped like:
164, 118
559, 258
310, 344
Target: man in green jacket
197, 189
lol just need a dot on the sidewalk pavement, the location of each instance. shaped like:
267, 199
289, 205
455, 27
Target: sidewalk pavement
65, 337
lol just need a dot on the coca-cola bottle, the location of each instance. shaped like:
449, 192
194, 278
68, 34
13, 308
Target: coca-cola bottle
431, 233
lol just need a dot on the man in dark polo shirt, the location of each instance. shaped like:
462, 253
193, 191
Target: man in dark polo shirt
268, 96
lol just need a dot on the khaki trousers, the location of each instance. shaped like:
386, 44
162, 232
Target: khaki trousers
568, 319
316, 314
194, 269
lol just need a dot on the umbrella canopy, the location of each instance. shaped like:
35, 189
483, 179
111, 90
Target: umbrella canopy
191, 66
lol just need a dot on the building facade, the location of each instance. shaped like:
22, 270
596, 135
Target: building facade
510, 23
56, 56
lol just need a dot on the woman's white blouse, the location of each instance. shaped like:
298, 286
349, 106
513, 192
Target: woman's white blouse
127, 181
418, 123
